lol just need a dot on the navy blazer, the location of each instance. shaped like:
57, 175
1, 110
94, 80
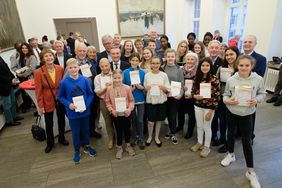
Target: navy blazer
123, 65
66, 57
101, 55
260, 66
6, 77
216, 65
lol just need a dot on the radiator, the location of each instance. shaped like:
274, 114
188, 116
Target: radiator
271, 79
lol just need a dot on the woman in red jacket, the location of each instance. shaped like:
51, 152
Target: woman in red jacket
47, 81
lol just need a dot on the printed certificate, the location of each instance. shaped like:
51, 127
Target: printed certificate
104, 80
134, 77
155, 90
79, 103
85, 70
243, 93
175, 88
205, 90
188, 85
120, 103
225, 73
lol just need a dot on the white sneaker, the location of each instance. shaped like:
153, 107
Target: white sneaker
252, 177
229, 158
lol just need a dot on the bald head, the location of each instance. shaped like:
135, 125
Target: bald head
249, 43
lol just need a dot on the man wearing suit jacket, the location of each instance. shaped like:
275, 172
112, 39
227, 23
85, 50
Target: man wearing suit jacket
117, 63
107, 41
7, 81
214, 50
249, 44
61, 57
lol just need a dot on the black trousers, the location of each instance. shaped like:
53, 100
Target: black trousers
122, 126
27, 101
222, 121
214, 125
49, 124
171, 113
187, 106
94, 106
245, 124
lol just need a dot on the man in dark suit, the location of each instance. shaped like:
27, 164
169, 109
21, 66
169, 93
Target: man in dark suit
107, 41
249, 44
117, 63
7, 81
61, 57
70, 42
214, 50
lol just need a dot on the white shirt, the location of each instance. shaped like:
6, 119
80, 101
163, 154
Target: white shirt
114, 65
61, 60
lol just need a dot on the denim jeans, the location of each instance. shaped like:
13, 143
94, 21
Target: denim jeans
9, 107
137, 121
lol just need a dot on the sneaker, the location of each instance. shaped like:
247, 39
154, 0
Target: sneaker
252, 177
168, 136
119, 152
90, 151
196, 147
141, 144
229, 158
76, 157
205, 152
130, 150
174, 139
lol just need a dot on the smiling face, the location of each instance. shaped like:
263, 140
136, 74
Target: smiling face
134, 62
191, 40
59, 48
182, 48
81, 51
105, 66
48, 58
249, 44
139, 45
164, 43
197, 48
190, 61
147, 54
117, 79
205, 67
91, 54
128, 47
25, 49
115, 54
73, 70
170, 58
214, 49
155, 65
230, 56
244, 67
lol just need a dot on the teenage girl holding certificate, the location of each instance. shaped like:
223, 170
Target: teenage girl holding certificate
176, 79
206, 92
157, 86
239, 112
120, 103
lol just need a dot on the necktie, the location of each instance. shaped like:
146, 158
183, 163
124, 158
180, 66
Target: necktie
116, 66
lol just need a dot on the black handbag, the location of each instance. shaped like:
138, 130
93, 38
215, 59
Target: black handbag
38, 132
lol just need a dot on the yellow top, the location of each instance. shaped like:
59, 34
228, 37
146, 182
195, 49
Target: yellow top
52, 75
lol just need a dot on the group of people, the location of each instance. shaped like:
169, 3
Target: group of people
139, 84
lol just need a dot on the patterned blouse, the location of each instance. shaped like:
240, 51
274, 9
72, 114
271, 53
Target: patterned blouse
212, 102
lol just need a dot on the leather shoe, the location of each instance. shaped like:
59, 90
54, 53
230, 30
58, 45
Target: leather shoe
64, 142
96, 134
48, 149
271, 100
15, 123
18, 118
277, 103
148, 143
188, 135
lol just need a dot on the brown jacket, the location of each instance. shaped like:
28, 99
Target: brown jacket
43, 93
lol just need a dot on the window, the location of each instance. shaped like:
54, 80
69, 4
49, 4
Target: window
237, 19
196, 19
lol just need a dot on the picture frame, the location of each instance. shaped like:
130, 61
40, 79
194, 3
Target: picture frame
10, 24
139, 17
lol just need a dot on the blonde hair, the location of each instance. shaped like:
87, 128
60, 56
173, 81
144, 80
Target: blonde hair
89, 48
72, 61
103, 60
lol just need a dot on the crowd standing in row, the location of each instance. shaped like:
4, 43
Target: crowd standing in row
138, 85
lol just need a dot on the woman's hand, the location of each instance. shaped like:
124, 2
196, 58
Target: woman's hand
114, 113
198, 97
72, 107
252, 102
163, 88
178, 97
127, 113
139, 86
231, 101
41, 111
208, 115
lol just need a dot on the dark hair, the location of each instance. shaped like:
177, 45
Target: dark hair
234, 49
134, 54
123, 47
44, 38
191, 34
30, 51
166, 38
208, 34
252, 60
71, 33
199, 74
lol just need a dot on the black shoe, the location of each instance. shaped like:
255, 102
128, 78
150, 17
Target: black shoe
159, 144
48, 149
179, 128
277, 103
271, 100
217, 143
18, 118
64, 142
188, 135
96, 134
148, 143
15, 123
222, 149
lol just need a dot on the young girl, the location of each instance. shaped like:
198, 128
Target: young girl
199, 48
77, 88
187, 102
204, 107
182, 49
120, 103
223, 73
138, 43
127, 50
139, 98
241, 115
146, 59
102, 82
157, 86
174, 74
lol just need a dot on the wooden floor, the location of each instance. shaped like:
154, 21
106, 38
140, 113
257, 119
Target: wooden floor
23, 162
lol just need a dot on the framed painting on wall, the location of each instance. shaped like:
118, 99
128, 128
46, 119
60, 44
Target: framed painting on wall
139, 17
10, 25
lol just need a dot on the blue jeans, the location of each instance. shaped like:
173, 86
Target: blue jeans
80, 132
137, 121
9, 107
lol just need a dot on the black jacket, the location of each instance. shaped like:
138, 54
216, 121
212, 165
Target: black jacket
6, 77
66, 57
